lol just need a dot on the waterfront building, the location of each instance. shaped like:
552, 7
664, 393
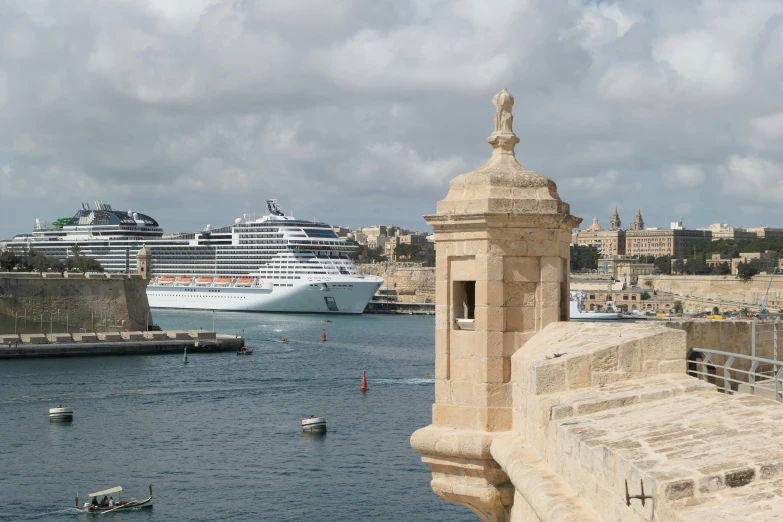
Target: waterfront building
766, 232
608, 242
725, 231
661, 242
764, 262
625, 268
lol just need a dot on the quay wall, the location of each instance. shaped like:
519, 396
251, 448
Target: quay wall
410, 282
95, 302
222, 343
720, 287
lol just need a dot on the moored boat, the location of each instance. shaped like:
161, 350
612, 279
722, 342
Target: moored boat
184, 280
203, 280
314, 424
165, 280
96, 507
60, 414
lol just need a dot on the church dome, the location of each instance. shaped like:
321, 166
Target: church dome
595, 226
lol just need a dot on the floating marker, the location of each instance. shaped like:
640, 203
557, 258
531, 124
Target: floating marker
323, 337
364, 386
185, 356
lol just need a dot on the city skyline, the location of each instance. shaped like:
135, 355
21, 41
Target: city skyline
359, 113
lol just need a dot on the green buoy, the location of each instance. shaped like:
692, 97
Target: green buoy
185, 356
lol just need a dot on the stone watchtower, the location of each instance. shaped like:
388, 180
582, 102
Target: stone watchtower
502, 239
143, 261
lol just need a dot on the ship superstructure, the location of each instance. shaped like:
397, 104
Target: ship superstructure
269, 263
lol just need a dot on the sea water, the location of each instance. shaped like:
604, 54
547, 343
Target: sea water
220, 438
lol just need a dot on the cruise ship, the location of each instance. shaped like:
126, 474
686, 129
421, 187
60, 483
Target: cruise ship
271, 263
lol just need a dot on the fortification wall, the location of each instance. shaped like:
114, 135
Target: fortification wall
412, 282
95, 302
720, 287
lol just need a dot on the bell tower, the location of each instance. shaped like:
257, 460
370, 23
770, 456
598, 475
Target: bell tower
143, 261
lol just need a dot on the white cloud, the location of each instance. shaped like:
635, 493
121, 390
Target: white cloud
685, 176
767, 131
752, 178
407, 163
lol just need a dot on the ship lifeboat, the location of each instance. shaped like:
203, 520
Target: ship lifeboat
203, 280
222, 280
245, 281
184, 280
166, 280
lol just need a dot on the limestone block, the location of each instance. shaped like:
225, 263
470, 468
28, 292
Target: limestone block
52, 275
521, 270
675, 366
9, 338
202, 334
494, 419
73, 275
442, 366
490, 293
109, 336
520, 319
551, 269
489, 318
177, 334
132, 336
155, 335
548, 377
33, 338
489, 344
84, 337
59, 337
578, 371
519, 294
629, 356
605, 360
450, 416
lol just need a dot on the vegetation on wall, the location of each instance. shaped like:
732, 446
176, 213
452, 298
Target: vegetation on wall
36, 262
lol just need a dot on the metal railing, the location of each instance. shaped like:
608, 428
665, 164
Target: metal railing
737, 373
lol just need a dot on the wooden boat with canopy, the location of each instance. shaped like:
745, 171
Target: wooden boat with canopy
118, 505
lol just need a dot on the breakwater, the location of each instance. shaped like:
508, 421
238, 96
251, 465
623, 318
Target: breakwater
405, 282
129, 343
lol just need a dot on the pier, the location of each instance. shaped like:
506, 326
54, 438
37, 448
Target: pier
113, 343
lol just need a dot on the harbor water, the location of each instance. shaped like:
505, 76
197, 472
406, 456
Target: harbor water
220, 438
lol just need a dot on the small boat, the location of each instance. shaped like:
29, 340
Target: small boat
60, 414
118, 506
184, 280
326, 321
314, 424
203, 280
285, 340
245, 351
166, 280
245, 281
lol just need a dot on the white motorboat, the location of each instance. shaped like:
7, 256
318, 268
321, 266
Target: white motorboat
578, 312
60, 414
314, 424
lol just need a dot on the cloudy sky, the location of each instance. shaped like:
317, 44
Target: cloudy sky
361, 111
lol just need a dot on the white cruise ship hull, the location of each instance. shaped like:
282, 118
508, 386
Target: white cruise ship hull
336, 296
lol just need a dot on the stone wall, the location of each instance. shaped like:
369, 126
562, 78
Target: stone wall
720, 287
412, 282
95, 302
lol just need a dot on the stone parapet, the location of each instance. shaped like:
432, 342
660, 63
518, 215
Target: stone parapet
59, 337
88, 337
9, 338
109, 336
157, 335
202, 334
33, 338
177, 334
132, 336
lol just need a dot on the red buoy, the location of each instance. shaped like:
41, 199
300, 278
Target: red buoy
323, 337
364, 386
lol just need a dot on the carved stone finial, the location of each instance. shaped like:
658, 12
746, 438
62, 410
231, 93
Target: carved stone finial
503, 138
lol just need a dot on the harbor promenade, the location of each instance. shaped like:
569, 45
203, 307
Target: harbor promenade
116, 343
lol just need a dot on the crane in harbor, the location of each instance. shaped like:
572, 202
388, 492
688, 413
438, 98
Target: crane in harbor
763, 306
